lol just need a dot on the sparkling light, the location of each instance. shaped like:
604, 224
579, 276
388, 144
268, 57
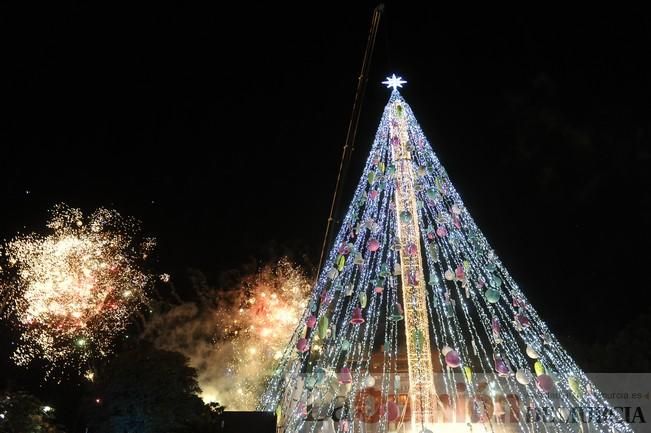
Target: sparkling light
89, 376
394, 82
72, 290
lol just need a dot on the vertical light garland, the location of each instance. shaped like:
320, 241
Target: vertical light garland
422, 392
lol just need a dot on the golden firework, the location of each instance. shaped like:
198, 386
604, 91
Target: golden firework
72, 290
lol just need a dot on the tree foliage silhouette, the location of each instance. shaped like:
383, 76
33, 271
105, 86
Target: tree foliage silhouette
146, 390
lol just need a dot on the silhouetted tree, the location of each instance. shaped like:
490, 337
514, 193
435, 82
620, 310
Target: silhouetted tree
21, 412
146, 390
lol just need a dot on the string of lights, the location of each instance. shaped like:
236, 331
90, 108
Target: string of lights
412, 293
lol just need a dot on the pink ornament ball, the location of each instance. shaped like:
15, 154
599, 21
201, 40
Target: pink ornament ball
379, 290
441, 231
373, 194
373, 245
393, 411
544, 383
302, 345
452, 359
502, 367
459, 273
311, 322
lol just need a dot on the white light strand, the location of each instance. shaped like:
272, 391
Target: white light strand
454, 269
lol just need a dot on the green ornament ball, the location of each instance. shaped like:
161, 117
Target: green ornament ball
405, 216
492, 295
495, 281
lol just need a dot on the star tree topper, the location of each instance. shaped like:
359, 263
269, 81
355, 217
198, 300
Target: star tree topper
394, 82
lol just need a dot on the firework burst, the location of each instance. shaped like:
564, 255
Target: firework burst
236, 334
258, 326
71, 291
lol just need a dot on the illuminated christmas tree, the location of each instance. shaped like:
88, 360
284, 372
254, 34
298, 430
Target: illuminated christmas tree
415, 325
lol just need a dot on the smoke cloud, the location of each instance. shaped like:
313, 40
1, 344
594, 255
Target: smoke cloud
234, 335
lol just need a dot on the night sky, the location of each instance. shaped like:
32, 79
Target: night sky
221, 128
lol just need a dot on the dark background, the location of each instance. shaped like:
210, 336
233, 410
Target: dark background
220, 127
